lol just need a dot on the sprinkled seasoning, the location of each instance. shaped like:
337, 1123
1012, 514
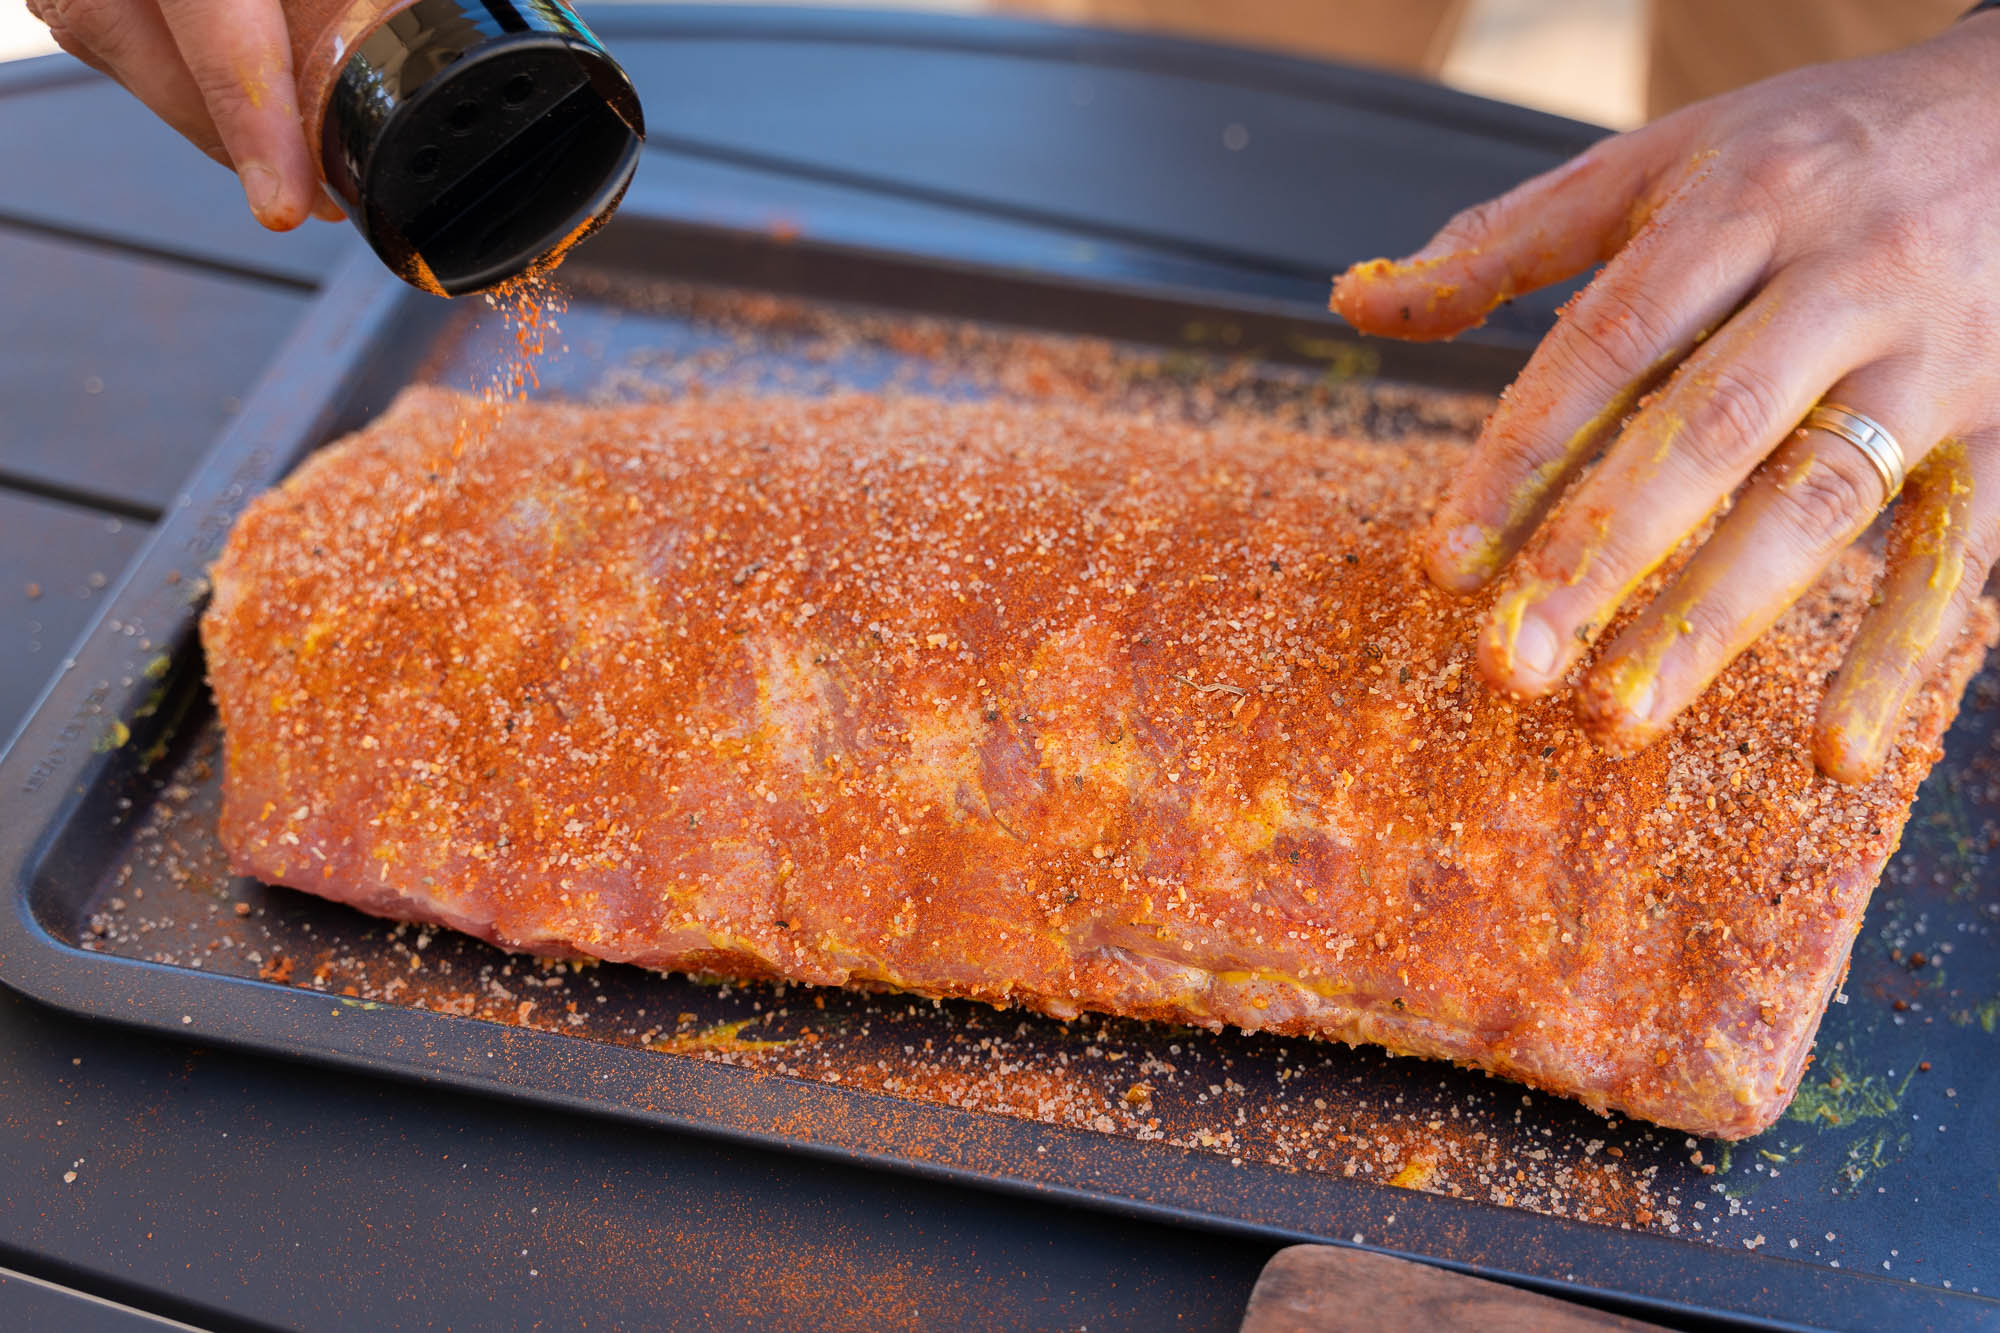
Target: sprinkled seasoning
1290, 1103
528, 306
1294, 1103
528, 685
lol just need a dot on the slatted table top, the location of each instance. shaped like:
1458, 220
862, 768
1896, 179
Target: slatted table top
141, 303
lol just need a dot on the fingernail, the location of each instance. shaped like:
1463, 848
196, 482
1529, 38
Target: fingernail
1465, 556
1462, 542
1641, 701
1846, 757
260, 187
1535, 646
1857, 728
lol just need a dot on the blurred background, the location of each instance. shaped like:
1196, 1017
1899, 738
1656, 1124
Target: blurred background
1610, 62
1581, 58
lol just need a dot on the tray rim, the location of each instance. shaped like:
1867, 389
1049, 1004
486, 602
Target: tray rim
53, 763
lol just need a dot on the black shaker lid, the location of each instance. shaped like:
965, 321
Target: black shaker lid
470, 138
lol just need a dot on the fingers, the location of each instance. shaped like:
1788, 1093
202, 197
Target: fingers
1542, 231
220, 74
1942, 542
1804, 505
1728, 407
239, 56
131, 43
1650, 307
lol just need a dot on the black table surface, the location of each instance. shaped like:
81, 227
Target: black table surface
141, 303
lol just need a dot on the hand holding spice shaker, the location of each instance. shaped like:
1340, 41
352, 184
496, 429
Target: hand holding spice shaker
468, 140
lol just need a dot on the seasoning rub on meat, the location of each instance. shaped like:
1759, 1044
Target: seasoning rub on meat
1034, 704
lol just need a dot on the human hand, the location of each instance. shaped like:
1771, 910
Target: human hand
1830, 234
220, 72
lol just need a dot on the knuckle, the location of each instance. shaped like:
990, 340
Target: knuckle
1779, 174
1511, 456
1713, 626
1792, 151
1469, 226
222, 92
100, 27
1740, 407
75, 15
1511, 485
1621, 329
1982, 553
1828, 502
1574, 362
1906, 244
59, 16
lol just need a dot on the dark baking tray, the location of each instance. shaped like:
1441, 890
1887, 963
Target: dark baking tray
1876, 1203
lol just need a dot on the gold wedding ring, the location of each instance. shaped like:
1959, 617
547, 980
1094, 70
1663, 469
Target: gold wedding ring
1868, 435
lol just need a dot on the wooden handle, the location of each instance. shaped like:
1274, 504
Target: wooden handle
1327, 1288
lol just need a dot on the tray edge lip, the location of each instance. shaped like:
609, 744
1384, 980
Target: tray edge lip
556, 1093
1476, 354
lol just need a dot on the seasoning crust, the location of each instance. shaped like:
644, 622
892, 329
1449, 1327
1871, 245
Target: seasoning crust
1035, 704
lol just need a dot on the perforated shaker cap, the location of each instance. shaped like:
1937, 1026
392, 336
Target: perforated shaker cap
469, 139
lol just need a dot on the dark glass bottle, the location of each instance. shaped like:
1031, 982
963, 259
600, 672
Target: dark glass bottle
468, 140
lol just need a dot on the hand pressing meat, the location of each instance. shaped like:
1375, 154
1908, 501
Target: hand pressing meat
1800, 299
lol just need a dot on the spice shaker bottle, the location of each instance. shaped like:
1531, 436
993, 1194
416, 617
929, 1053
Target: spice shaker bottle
467, 139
